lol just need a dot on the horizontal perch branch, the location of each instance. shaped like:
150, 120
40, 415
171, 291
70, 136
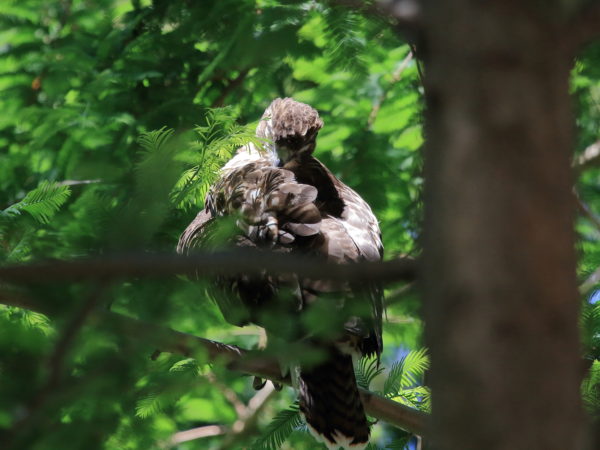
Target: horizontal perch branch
235, 358
203, 264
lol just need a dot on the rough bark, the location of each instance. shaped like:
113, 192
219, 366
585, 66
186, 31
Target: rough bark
499, 267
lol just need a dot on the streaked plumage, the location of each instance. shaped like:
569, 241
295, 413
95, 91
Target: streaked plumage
285, 200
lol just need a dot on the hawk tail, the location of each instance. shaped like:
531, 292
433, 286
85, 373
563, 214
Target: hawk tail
331, 404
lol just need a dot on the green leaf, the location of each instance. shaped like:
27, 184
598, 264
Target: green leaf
406, 373
345, 44
148, 406
188, 365
415, 365
155, 141
282, 425
366, 370
218, 139
42, 203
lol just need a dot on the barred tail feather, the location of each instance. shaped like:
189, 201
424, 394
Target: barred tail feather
331, 404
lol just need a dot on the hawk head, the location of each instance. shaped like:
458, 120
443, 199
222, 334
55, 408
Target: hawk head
292, 127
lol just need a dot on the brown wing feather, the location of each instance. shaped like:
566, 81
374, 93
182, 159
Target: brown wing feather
350, 233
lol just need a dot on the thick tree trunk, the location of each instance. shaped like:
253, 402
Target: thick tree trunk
500, 288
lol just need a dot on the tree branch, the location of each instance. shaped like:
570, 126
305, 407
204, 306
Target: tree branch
246, 423
235, 358
232, 86
590, 157
228, 393
196, 433
586, 211
395, 78
203, 264
590, 282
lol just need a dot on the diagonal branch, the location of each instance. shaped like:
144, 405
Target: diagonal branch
232, 86
235, 358
588, 284
589, 158
586, 211
228, 393
396, 76
196, 433
203, 264
246, 423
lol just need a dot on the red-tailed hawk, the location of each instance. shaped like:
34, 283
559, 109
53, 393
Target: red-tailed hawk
285, 200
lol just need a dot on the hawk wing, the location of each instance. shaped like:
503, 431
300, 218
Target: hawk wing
351, 234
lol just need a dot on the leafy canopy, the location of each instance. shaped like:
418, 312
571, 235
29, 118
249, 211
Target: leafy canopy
114, 121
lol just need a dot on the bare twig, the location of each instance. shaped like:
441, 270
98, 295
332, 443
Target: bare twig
246, 423
590, 282
228, 393
196, 433
78, 182
253, 363
586, 211
232, 86
397, 294
590, 157
202, 264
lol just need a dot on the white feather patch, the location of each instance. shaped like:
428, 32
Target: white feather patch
341, 440
248, 154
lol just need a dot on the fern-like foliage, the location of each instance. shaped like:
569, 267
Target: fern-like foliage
366, 370
155, 141
346, 46
148, 406
406, 372
187, 365
171, 380
590, 389
216, 142
156, 158
282, 425
28, 319
403, 378
399, 443
41, 203
590, 324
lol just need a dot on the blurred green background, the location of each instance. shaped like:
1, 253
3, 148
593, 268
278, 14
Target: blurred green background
80, 82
